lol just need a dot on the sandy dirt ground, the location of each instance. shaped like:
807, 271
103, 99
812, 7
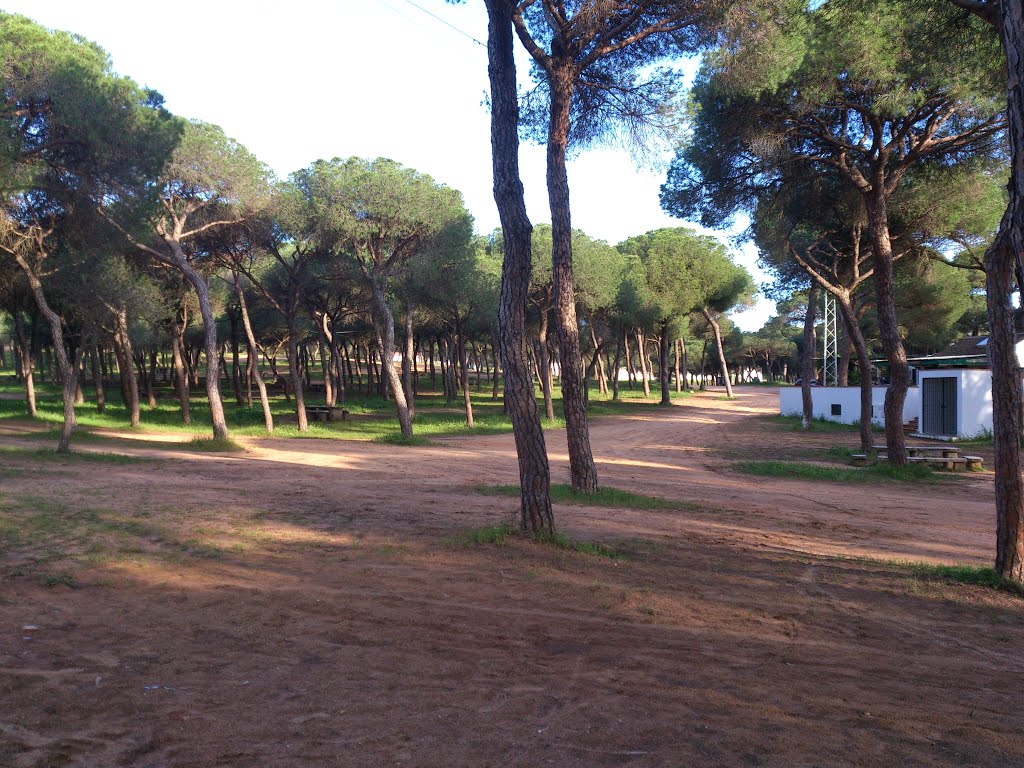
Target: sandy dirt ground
318, 603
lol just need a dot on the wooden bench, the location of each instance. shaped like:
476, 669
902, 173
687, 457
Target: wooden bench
325, 413
946, 462
948, 450
969, 463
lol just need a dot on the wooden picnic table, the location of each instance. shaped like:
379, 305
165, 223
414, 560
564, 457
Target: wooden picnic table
947, 456
325, 413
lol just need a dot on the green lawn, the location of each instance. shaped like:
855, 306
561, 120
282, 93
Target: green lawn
371, 417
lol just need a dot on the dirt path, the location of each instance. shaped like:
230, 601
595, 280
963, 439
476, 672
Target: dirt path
323, 610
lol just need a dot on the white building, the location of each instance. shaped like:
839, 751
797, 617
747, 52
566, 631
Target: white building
953, 397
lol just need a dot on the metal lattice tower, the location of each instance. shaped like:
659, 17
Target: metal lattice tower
830, 340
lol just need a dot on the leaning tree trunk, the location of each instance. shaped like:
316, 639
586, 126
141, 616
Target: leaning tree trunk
888, 330
384, 325
199, 285
582, 470
68, 372
1002, 257
852, 327
721, 350
807, 372
664, 374
534, 473
252, 351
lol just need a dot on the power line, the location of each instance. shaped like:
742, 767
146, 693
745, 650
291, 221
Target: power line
446, 23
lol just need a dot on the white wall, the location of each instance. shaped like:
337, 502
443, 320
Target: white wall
973, 398
848, 398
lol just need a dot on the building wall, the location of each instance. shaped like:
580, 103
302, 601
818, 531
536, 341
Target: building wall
848, 400
973, 399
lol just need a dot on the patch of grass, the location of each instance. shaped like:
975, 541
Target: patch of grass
979, 576
882, 471
62, 579
561, 541
817, 425
488, 534
605, 497
982, 440
727, 397
213, 445
397, 438
49, 454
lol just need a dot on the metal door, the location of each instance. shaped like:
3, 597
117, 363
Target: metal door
938, 405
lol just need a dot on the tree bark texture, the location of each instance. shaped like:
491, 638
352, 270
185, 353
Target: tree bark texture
851, 324
295, 373
534, 472
888, 328
384, 324
199, 285
546, 382
409, 360
180, 372
1001, 260
463, 363
252, 351
27, 364
664, 373
582, 470
807, 367
717, 330
68, 372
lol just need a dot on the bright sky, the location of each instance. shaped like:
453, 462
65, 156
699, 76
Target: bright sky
301, 80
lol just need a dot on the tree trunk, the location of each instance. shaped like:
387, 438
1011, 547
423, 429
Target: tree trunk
617, 365
845, 353
495, 372
663, 370
463, 362
325, 369
676, 345
582, 470
534, 473
252, 351
851, 325
546, 381
295, 374
27, 364
126, 362
641, 351
180, 373
888, 329
199, 285
384, 325
97, 376
408, 360
68, 372
807, 362
236, 369
1004, 256
721, 350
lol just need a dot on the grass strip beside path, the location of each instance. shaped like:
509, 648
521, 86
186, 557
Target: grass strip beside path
878, 473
